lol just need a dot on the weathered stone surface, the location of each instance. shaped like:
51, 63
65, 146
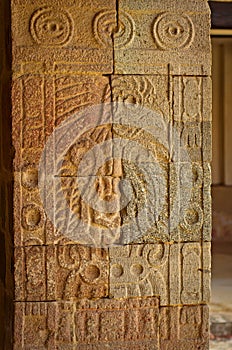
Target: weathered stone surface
98, 324
67, 272
41, 103
148, 295
176, 273
167, 202
184, 327
148, 91
191, 98
164, 37
71, 36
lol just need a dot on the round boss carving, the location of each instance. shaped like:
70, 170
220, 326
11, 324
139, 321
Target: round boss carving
51, 27
173, 31
32, 217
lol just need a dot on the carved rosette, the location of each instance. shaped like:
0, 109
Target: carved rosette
173, 31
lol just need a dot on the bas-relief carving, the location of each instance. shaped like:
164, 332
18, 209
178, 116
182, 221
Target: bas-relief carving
100, 324
88, 325
161, 270
69, 99
183, 326
60, 273
42, 103
167, 40
70, 272
111, 31
64, 34
139, 270
73, 272
190, 207
173, 31
51, 26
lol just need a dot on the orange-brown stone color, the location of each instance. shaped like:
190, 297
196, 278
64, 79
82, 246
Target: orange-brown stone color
59, 272
152, 293
136, 323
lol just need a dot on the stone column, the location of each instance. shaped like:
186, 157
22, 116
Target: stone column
138, 276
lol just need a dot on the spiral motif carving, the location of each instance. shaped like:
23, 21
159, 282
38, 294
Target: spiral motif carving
108, 33
173, 31
51, 27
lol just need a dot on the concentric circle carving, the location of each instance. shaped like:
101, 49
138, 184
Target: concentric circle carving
173, 31
50, 26
108, 33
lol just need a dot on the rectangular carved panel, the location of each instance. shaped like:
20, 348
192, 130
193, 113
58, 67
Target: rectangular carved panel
42, 103
160, 37
175, 273
99, 324
184, 327
71, 36
60, 273
190, 201
112, 212
136, 323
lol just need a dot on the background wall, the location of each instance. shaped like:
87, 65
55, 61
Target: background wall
6, 282
222, 138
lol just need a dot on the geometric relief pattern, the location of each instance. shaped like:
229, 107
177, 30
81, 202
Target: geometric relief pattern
191, 100
184, 326
165, 38
173, 272
118, 324
42, 103
60, 273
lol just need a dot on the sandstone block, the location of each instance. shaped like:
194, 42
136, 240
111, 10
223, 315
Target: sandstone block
41, 103
174, 273
69, 272
98, 324
184, 327
163, 38
75, 30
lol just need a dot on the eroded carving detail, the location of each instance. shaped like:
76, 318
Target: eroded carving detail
32, 217
66, 272
183, 326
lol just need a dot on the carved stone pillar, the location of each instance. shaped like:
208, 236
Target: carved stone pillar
106, 272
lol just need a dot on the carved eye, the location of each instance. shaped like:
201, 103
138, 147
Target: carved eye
136, 269
174, 29
117, 270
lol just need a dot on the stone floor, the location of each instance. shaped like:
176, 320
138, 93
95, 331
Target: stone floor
221, 301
